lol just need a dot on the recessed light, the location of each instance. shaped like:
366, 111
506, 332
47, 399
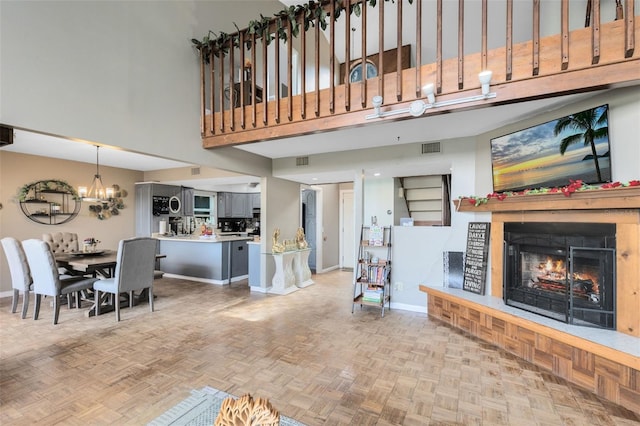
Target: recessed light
377, 174
314, 178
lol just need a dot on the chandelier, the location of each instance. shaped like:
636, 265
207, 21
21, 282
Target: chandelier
97, 190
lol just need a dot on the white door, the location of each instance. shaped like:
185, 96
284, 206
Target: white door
347, 237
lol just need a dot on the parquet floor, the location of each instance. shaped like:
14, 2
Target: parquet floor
305, 352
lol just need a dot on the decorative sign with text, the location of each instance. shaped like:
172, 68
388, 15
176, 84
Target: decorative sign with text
475, 261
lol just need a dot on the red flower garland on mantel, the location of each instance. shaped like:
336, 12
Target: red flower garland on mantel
574, 186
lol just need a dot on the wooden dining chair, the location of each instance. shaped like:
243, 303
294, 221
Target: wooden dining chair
47, 281
21, 280
135, 266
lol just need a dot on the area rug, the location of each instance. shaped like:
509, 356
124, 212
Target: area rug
201, 409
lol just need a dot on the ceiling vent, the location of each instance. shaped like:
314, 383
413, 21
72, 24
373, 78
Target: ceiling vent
195, 171
431, 147
302, 161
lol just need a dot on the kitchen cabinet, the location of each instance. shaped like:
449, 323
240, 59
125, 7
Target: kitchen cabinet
239, 258
146, 222
236, 204
255, 200
239, 205
187, 201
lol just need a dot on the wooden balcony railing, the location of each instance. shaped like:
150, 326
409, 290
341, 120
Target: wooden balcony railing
250, 93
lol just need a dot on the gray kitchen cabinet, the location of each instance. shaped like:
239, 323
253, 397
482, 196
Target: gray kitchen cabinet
224, 204
255, 201
187, 201
146, 222
239, 258
239, 205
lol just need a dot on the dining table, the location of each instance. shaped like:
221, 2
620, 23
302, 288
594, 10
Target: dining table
98, 263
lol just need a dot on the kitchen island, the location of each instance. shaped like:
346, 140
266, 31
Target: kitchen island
219, 260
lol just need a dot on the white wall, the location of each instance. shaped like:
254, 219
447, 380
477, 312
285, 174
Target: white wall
120, 73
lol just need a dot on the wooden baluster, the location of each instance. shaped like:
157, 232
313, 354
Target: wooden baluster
317, 67
232, 88
399, 54
253, 82
564, 18
460, 44
418, 48
303, 72
347, 57
332, 55
363, 81
536, 37
221, 80
276, 66
629, 30
289, 72
242, 82
509, 47
265, 83
212, 92
439, 47
202, 96
595, 33
380, 51
483, 54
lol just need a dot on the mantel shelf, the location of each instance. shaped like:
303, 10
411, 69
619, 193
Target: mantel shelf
597, 199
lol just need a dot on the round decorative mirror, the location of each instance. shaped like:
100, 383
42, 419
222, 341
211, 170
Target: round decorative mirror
174, 204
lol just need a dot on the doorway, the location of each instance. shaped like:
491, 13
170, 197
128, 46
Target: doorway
309, 224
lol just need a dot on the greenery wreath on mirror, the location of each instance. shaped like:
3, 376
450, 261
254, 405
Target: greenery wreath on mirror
111, 207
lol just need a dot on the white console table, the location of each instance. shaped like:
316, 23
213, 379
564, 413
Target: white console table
284, 280
292, 271
301, 268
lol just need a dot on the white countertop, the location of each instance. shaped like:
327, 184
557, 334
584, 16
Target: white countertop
198, 239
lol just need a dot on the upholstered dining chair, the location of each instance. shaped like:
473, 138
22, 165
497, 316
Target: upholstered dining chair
47, 281
21, 280
62, 242
135, 265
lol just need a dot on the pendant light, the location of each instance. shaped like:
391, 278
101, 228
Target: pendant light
97, 190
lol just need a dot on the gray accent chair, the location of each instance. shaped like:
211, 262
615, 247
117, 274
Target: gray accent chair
21, 280
47, 281
135, 266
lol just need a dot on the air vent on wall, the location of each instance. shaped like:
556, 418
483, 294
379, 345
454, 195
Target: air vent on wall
6, 135
302, 161
431, 147
195, 171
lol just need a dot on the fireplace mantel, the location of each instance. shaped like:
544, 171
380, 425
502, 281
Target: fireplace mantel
596, 199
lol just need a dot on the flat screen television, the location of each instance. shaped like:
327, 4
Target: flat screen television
551, 154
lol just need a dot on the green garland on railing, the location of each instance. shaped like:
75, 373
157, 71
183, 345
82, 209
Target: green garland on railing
311, 11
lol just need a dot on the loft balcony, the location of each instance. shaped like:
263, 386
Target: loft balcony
314, 82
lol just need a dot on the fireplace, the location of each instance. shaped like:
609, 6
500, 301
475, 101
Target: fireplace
564, 271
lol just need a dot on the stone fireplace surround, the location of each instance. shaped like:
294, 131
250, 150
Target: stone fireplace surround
604, 361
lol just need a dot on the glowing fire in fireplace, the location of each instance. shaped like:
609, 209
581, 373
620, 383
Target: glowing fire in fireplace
552, 276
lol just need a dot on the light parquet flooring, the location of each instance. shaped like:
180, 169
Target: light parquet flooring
305, 352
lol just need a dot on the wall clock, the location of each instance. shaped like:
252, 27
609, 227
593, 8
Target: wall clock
355, 75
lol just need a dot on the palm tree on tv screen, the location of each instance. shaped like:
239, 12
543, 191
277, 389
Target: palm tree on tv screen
589, 125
